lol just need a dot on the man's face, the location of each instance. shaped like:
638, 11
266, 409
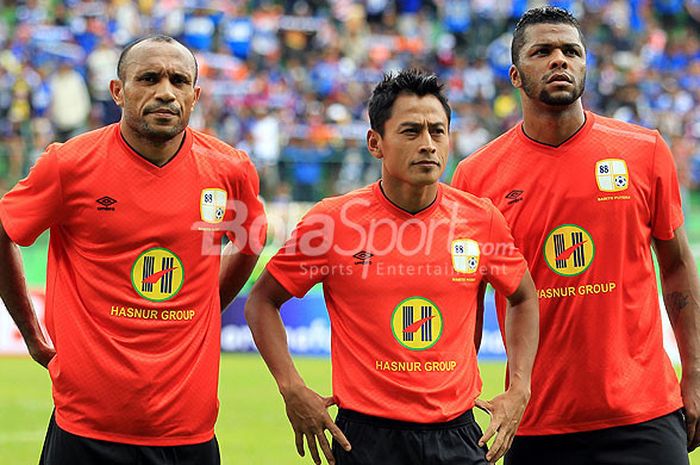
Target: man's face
158, 93
552, 67
416, 142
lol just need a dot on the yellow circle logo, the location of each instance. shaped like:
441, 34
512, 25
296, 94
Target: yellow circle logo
569, 250
157, 274
416, 323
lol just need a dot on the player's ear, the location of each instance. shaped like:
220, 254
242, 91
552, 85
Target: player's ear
374, 144
514, 75
197, 92
116, 88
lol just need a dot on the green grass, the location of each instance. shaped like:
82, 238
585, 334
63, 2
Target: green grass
252, 426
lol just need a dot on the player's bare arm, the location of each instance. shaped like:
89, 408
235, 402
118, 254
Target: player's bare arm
522, 338
679, 281
479, 329
13, 290
307, 411
235, 270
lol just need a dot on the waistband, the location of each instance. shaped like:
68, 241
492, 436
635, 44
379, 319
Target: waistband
467, 418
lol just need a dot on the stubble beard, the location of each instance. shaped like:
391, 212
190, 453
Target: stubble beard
159, 134
544, 96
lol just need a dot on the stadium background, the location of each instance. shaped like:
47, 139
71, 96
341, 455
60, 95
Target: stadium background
288, 82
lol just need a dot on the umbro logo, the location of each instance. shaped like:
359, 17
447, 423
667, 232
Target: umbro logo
106, 203
363, 258
514, 196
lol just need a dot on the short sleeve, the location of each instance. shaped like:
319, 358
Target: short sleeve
505, 265
35, 204
303, 260
254, 221
665, 202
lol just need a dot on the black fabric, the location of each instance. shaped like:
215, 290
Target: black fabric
661, 441
64, 448
387, 442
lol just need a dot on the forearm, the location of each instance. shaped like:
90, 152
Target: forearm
522, 338
681, 293
270, 338
522, 334
682, 300
13, 291
234, 272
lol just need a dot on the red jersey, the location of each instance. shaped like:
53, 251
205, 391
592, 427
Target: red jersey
584, 215
132, 295
400, 289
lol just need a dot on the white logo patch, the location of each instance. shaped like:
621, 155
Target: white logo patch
611, 175
212, 205
465, 255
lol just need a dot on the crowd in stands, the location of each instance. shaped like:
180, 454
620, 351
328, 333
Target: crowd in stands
288, 81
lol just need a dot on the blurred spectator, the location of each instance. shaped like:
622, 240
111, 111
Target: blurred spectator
70, 102
288, 80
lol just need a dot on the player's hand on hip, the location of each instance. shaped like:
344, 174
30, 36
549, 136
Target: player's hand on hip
506, 411
308, 413
41, 352
690, 390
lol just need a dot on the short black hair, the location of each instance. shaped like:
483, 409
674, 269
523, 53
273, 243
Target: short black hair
411, 81
540, 15
121, 64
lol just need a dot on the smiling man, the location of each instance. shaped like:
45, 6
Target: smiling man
400, 261
136, 280
587, 197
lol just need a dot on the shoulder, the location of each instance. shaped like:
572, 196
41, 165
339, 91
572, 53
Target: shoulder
623, 132
218, 154
501, 145
334, 205
87, 146
494, 150
467, 201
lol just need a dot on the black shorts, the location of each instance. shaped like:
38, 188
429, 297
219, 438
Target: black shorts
64, 448
378, 441
661, 441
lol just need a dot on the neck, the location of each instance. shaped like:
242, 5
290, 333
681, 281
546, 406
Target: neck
552, 125
407, 197
157, 152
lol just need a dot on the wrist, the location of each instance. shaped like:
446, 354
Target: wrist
520, 388
289, 387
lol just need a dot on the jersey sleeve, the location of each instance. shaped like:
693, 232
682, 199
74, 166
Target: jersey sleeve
36, 203
303, 260
253, 221
505, 265
665, 202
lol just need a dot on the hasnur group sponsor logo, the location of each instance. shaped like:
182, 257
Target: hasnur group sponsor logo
569, 250
157, 274
416, 323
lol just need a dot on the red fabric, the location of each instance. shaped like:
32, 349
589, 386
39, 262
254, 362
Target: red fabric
136, 363
601, 361
428, 373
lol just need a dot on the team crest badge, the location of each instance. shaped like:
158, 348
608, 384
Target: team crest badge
465, 256
212, 205
611, 175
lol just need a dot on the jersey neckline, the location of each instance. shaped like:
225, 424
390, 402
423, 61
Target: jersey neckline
400, 212
143, 163
564, 146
